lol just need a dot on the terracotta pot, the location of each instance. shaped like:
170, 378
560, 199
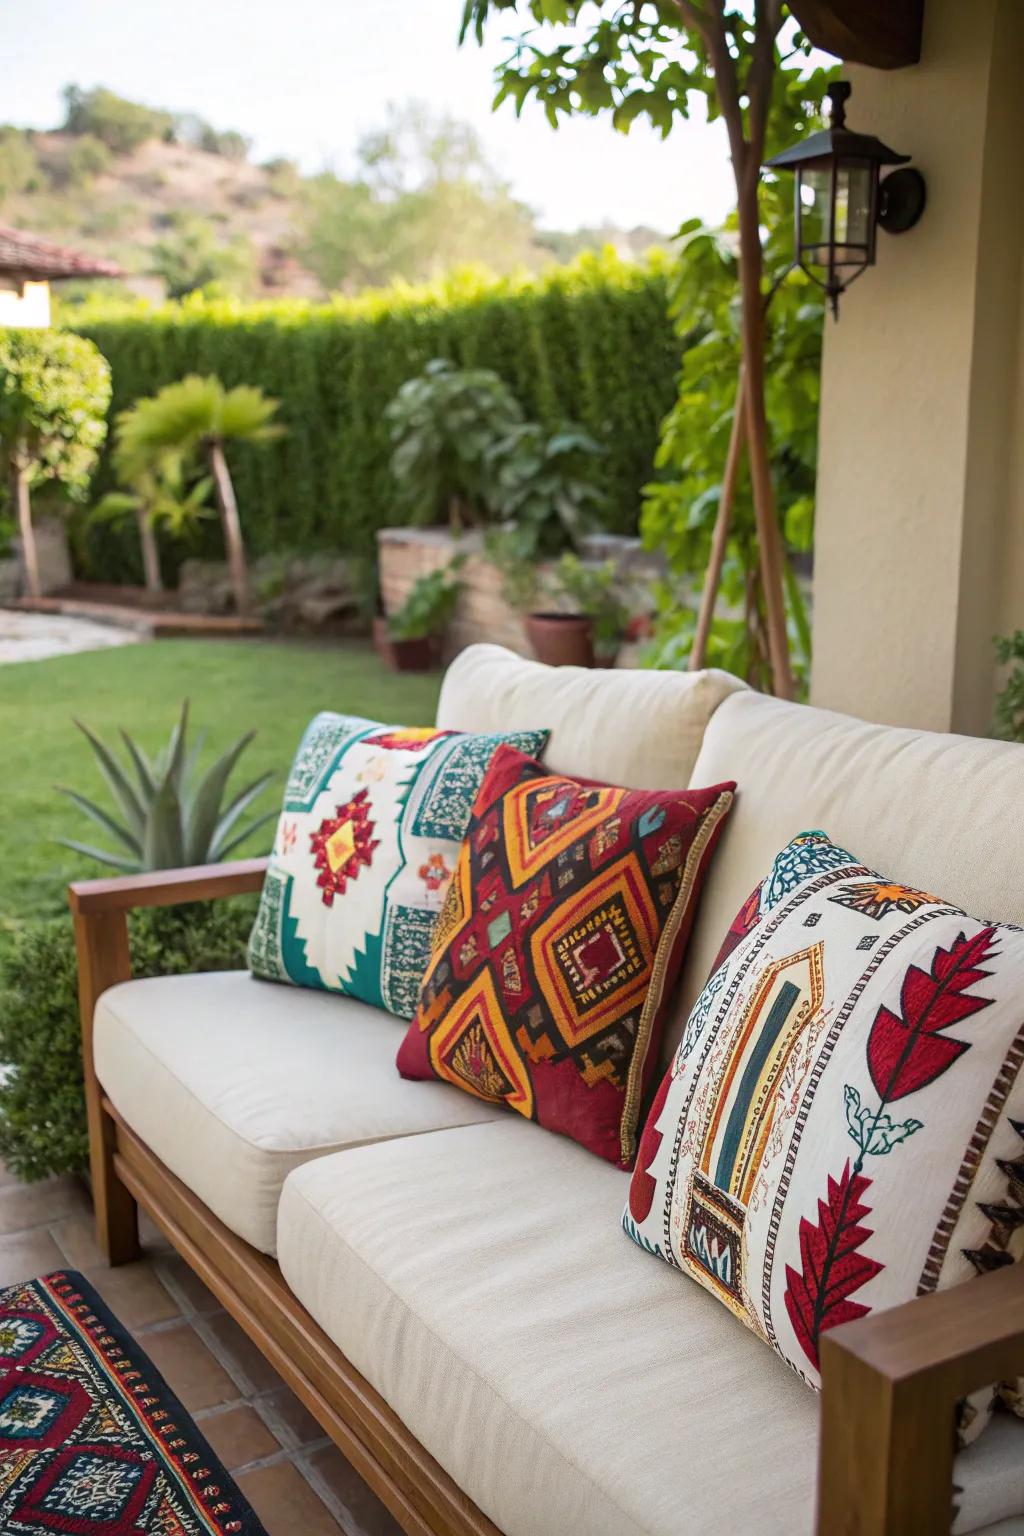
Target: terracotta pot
420, 655
561, 639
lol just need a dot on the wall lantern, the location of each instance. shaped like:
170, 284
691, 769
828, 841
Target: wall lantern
841, 201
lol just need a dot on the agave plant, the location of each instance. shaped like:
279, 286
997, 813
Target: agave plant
172, 814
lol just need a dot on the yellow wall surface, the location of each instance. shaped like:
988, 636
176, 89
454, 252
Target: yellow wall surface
919, 555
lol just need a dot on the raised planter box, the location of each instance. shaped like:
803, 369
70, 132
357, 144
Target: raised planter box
405, 554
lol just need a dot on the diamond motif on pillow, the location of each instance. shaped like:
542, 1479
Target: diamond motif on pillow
368, 837
560, 940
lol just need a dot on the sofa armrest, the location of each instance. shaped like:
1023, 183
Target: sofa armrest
890, 1385
167, 887
100, 909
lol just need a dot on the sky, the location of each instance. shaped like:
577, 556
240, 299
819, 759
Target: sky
306, 78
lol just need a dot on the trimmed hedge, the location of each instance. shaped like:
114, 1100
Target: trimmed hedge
591, 342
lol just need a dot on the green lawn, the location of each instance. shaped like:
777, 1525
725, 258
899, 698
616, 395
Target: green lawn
232, 686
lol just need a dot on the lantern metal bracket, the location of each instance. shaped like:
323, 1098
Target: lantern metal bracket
901, 200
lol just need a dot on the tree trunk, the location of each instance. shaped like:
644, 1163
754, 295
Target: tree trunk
720, 536
768, 538
233, 543
23, 509
150, 552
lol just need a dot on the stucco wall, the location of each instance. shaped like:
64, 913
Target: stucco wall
918, 555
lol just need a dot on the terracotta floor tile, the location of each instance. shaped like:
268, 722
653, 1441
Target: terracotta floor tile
366, 1515
184, 1361
283, 1405
286, 1503
33, 1205
197, 1296
238, 1436
24, 1255
132, 1291
239, 1348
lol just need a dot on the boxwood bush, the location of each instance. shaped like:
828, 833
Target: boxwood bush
591, 343
42, 1106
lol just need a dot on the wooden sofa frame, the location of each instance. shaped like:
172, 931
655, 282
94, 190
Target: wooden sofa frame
890, 1381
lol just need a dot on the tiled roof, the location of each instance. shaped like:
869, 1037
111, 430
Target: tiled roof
32, 258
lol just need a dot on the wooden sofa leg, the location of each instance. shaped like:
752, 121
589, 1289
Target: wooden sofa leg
103, 960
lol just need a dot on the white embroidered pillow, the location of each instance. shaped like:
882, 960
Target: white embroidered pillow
842, 1127
373, 820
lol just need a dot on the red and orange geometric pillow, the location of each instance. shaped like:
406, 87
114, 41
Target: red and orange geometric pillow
558, 947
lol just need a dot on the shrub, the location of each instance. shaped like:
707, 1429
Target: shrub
1009, 719
42, 1106
87, 158
54, 393
444, 424
122, 125
591, 342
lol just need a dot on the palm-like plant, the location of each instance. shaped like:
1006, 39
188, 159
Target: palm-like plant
199, 415
154, 494
172, 814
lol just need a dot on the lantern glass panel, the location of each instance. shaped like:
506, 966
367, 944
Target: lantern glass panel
814, 190
853, 213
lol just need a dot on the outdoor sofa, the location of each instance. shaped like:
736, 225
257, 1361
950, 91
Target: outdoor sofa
446, 1286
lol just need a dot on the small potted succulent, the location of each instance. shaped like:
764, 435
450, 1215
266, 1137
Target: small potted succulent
411, 639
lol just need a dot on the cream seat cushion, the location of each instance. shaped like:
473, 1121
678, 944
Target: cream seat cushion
638, 729
569, 1383
234, 1082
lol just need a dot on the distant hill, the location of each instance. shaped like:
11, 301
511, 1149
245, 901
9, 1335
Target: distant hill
179, 205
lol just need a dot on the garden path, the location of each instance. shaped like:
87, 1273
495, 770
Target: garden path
34, 636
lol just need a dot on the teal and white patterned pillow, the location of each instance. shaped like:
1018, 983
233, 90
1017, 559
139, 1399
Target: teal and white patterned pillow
369, 834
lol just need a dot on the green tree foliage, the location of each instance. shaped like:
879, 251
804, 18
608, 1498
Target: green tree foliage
423, 198
191, 256
54, 394
198, 417
681, 505
19, 164
122, 125
660, 59
42, 1104
592, 342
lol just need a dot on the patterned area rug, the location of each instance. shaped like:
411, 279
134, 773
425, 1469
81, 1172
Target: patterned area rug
92, 1440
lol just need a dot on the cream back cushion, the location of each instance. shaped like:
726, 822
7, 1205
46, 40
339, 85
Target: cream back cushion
638, 729
945, 813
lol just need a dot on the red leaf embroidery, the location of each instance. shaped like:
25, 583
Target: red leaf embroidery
818, 1295
905, 1054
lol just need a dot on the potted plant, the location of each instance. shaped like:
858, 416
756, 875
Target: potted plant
591, 593
545, 491
444, 426
410, 640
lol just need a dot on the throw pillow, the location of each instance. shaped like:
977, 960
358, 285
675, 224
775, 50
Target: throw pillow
842, 1126
370, 831
558, 947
